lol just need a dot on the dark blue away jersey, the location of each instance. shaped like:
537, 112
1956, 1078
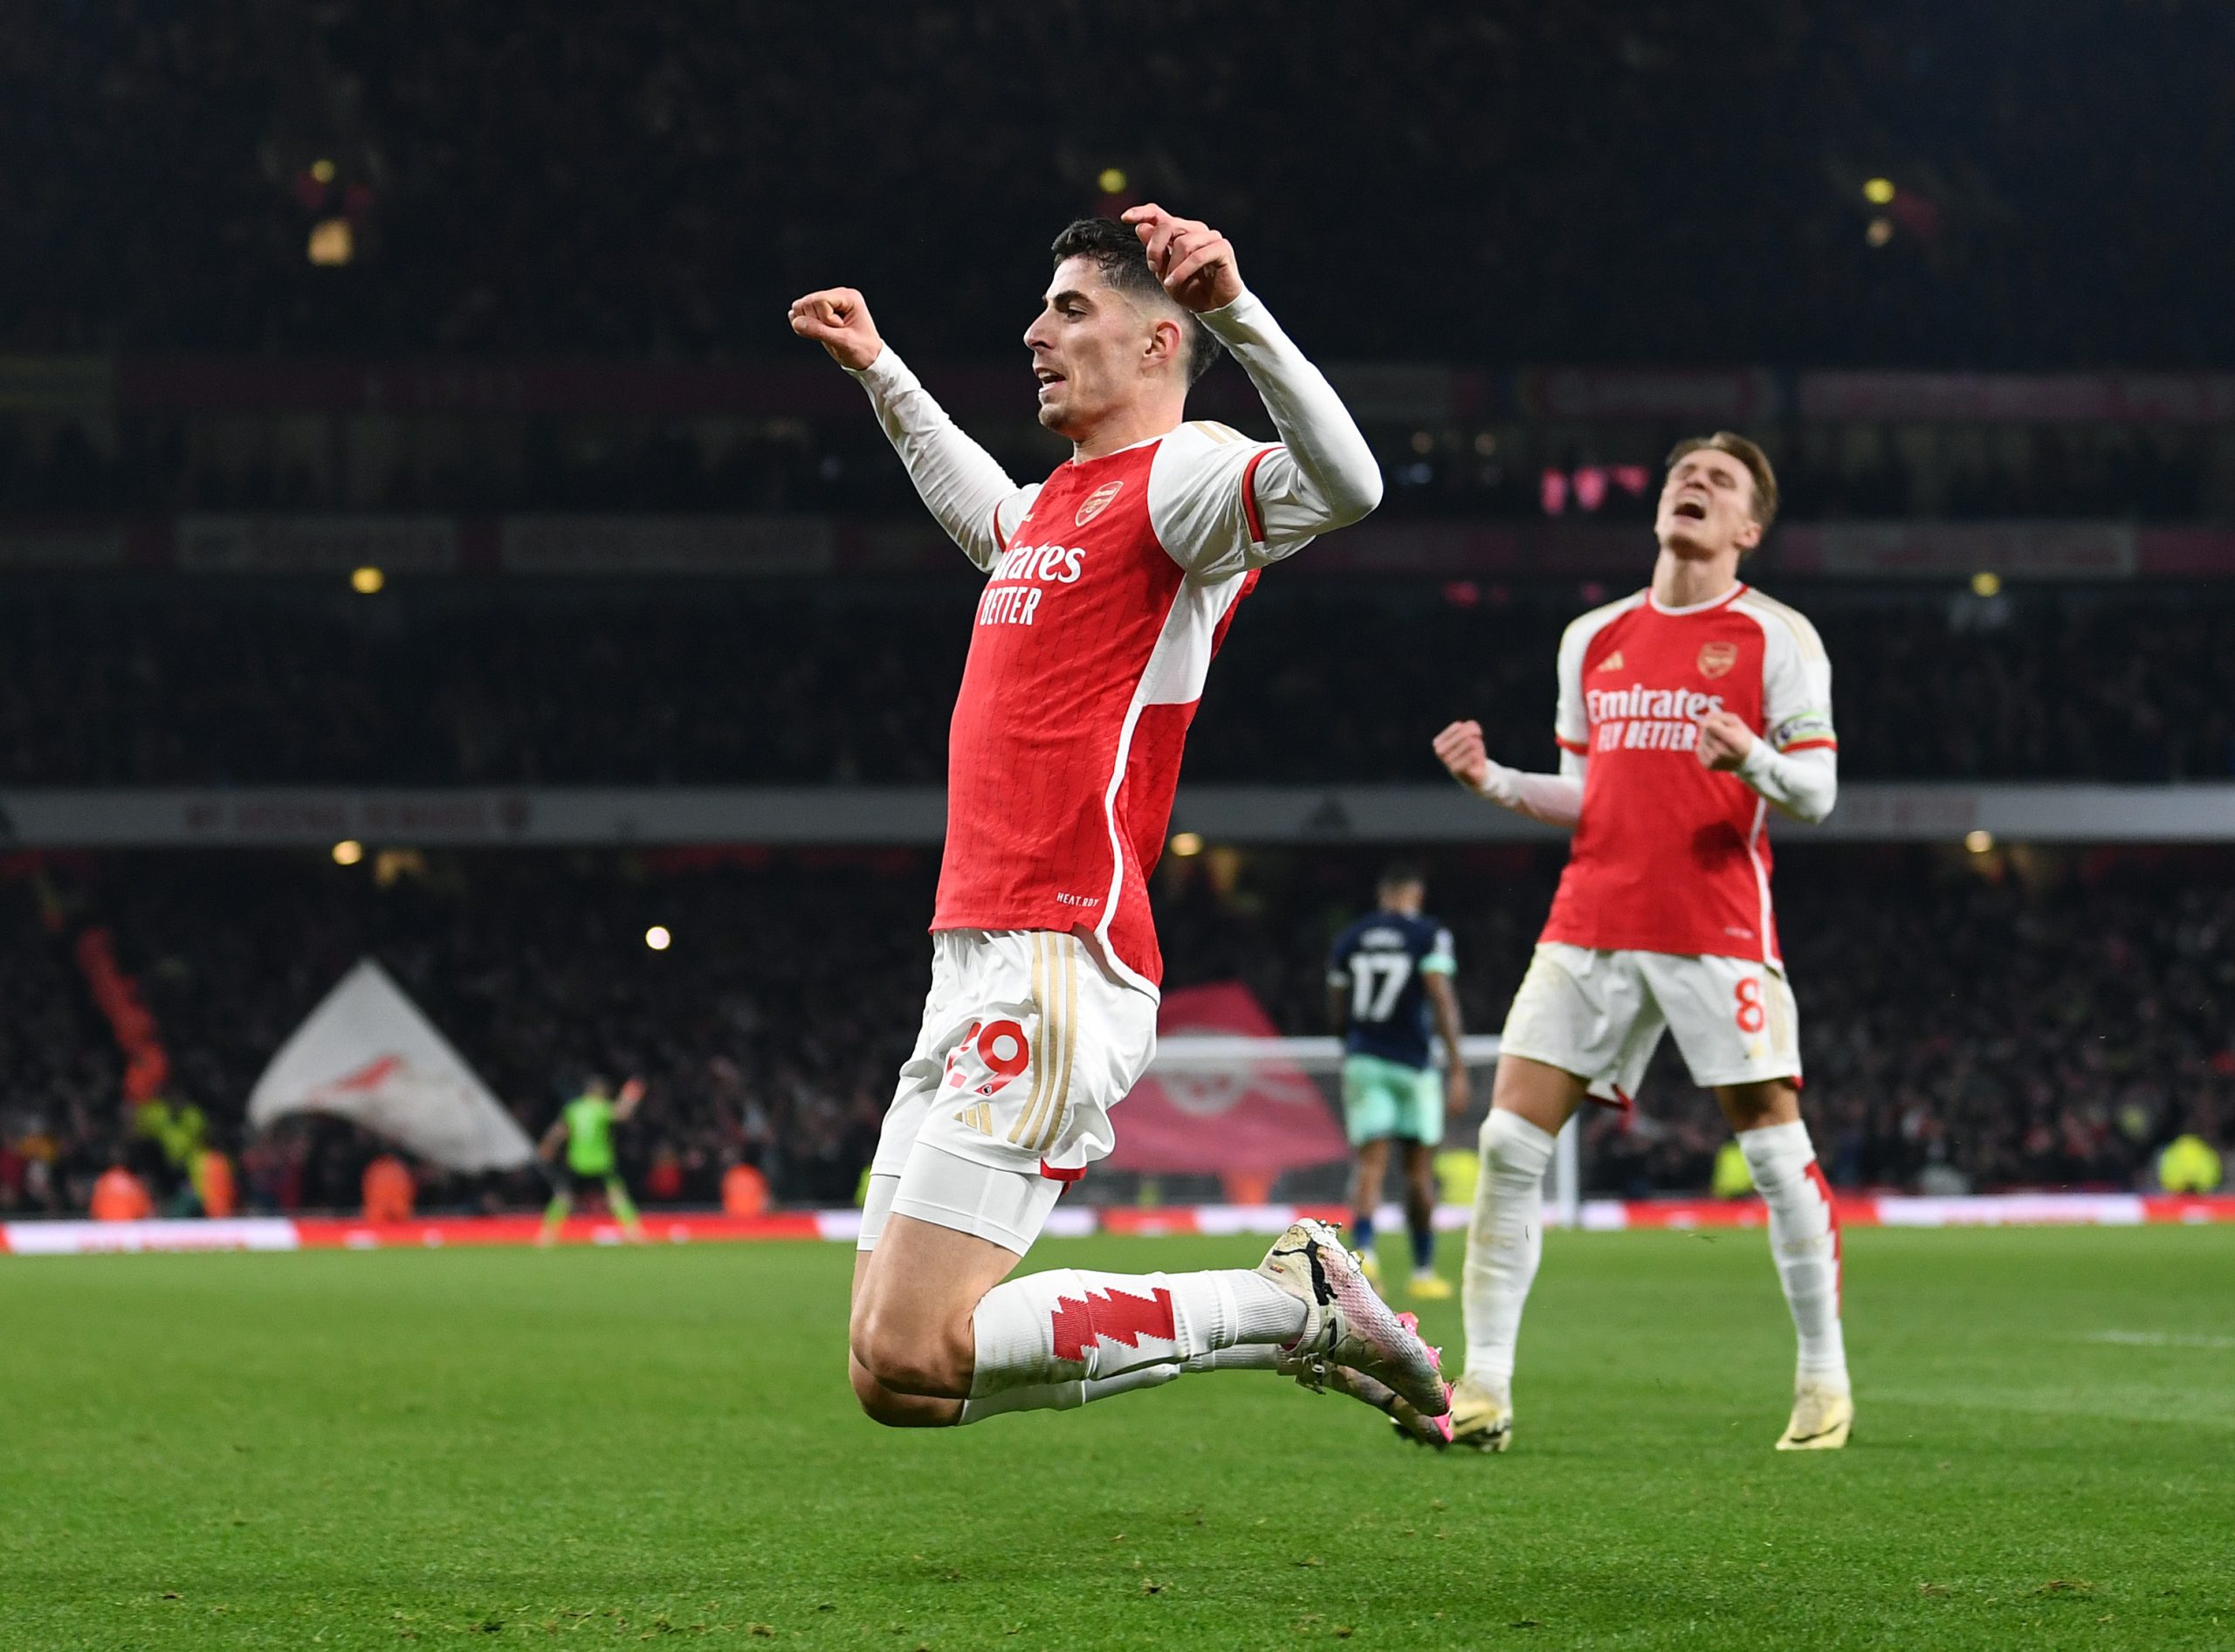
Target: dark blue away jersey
1379, 961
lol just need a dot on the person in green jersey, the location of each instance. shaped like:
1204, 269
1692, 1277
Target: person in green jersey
585, 1125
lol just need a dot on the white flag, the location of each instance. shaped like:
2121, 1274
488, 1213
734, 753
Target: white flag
368, 1055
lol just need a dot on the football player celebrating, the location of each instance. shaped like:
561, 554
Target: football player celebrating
1687, 712
1109, 587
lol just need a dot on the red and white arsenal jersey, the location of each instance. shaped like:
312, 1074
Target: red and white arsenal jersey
1114, 586
1671, 857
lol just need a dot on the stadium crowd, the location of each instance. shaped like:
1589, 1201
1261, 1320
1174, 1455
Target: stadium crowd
143, 463
630, 184
2011, 1019
650, 684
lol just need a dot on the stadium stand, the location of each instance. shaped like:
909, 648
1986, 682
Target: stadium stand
631, 684
518, 314
490, 209
2013, 1020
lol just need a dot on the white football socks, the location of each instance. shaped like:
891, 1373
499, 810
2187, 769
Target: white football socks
1058, 1340
1504, 1241
1805, 1244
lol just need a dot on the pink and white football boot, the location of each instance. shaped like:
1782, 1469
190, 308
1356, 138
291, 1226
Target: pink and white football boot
1347, 1326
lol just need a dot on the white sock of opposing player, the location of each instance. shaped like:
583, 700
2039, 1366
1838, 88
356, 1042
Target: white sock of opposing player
1804, 1243
1061, 1339
1504, 1240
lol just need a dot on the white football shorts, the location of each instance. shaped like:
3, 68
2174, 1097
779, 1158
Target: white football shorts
1027, 1044
1601, 1015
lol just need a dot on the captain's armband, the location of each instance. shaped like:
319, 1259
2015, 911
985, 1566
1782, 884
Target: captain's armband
1803, 731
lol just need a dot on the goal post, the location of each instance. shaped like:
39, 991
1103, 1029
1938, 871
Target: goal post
1235, 1055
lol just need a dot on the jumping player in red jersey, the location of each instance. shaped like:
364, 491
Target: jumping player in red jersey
1110, 587
1687, 712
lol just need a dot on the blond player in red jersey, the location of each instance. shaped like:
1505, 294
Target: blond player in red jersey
1687, 712
1110, 587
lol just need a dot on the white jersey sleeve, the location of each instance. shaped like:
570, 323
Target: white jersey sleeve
1221, 504
1795, 763
1796, 679
1201, 504
963, 485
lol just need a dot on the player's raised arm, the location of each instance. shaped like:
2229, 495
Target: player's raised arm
1556, 799
964, 486
1324, 475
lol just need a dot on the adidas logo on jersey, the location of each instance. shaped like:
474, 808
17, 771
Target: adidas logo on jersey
979, 1117
1613, 661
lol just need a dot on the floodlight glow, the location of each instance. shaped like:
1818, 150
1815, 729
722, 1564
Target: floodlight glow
1186, 844
348, 852
1879, 191
657, 937
332, 242
366, 580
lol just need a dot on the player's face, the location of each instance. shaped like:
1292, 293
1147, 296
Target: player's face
1089, 346
1403, 898
1707, 506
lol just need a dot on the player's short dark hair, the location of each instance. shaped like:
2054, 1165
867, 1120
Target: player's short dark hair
1124, 261
1402, 874
1755, 461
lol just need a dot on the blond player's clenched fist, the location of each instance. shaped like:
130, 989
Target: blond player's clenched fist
838, 318
1194, 262
1461, 749
1724, 740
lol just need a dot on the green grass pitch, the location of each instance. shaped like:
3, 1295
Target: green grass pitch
587, 1446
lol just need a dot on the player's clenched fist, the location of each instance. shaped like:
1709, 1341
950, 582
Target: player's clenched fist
1194, 262
1460, 749
1724, 740
838, 320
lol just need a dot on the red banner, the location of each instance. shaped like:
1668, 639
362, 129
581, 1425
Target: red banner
1256, 1120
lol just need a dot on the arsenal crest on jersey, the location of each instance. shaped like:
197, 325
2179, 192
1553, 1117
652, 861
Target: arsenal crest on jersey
1716, 658
1098, 502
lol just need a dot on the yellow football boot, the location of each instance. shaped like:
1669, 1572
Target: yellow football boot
1481, 1420
1428, 1285
1822, 1418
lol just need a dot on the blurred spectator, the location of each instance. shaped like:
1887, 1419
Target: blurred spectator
214, 1187
745, 1191
388, 1190
118, 1196
2189, 1164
